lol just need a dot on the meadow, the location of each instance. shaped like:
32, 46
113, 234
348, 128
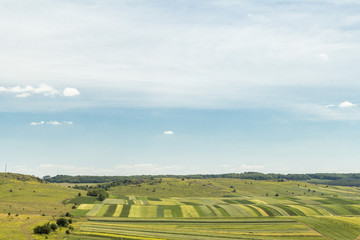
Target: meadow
26, 201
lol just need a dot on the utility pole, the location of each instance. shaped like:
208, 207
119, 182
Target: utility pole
5, 167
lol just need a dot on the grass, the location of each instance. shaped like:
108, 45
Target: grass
31, 197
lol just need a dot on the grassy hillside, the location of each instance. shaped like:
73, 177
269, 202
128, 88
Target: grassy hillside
217, 187
26, 201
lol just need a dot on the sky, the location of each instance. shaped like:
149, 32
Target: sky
120, 87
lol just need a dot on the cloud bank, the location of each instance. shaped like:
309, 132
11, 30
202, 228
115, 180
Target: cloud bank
200, 54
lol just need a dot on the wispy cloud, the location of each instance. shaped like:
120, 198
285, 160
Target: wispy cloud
124, 170
54, 123
37, 123
44, 89
344, 111
249, 167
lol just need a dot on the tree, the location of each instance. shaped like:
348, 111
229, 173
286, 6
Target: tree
102, 194
62, 222
44, 229
53, 227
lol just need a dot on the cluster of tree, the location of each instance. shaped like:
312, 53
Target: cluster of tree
122, 182
48, 227
100, 193
345, 179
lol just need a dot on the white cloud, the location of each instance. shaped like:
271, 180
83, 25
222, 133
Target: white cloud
168, 133
54, 123
23, 95
37, 123
46, 90
71, 92
346, 104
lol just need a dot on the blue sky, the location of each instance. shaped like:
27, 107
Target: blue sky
179, 87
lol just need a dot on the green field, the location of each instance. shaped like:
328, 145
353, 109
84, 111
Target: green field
184, 209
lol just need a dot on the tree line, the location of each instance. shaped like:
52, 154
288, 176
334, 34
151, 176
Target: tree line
344, 179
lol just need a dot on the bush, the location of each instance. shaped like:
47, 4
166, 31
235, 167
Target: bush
70, 221
62, 222
67, 231
53, 227
44, 229
67, 214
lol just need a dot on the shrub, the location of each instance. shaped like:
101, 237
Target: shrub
44, 229
67, 214
62, 222
53, 227
70, 221
67, 231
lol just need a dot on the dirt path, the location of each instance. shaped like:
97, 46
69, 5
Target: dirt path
24, 230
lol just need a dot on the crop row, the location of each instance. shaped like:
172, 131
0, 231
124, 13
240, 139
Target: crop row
221, 210
190, 230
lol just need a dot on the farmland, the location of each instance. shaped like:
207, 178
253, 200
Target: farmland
175, 208
170, 208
